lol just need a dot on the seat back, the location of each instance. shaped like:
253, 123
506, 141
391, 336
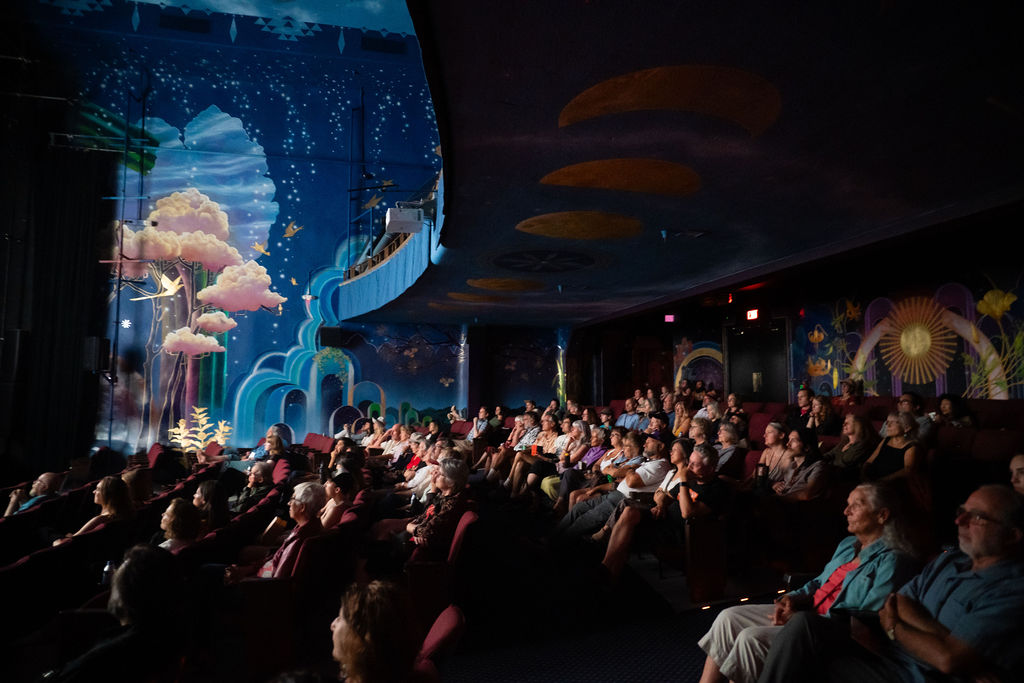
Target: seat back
468, 519
444, 635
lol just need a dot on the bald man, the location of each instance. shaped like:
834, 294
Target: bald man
43, 488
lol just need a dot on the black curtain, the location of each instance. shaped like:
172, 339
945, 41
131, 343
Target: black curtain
54, 229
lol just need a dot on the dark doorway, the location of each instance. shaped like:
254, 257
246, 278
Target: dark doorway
756, 361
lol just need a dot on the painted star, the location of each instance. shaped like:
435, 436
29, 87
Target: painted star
126, 323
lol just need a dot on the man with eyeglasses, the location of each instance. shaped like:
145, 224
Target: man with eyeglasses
959, 619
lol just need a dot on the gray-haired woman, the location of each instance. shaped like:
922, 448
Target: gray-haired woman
868, 565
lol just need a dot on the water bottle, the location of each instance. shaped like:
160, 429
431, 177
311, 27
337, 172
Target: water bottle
108, 574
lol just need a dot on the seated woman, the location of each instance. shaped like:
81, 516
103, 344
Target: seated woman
377, 437
181, 524
115, 503
140, 485
212, 504
1017, 474
520, 440
952, 412
733, 406
431, 531
680, 420
586, 455
340, 490
691, 489
543, 448
896, 456
373, 635
807, 476
822, 420
856, 444
775, 458
866, 567
569, 450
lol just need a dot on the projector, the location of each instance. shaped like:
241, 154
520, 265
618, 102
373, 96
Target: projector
404, 220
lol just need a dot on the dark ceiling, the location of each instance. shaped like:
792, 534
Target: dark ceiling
602, 157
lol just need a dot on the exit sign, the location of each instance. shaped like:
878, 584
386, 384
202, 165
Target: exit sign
752, 314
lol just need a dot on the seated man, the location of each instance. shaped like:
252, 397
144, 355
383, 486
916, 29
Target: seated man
956, 620
589, 516
43, 488
258, 486
629, 418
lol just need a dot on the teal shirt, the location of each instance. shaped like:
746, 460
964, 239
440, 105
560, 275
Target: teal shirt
881, 571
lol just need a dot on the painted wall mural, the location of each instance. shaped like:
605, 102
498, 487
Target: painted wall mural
951, 341
522, 363
698, 360
260, 152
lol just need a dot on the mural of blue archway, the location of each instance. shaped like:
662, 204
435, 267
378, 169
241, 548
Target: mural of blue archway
368, 391
342, 416
295, 408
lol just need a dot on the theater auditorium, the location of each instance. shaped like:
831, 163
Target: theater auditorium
380, 340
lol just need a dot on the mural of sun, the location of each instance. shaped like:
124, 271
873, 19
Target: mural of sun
918, 346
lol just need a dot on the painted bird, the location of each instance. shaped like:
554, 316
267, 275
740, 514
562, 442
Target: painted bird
167, 288
291, 229
294, 282
373, 201
261, 248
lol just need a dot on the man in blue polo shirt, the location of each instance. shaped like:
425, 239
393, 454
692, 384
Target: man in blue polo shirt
629, 419
959, 619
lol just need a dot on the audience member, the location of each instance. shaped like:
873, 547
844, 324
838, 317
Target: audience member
822, 420
855, 445
913, 405
43, 488
181, 524
146, 597
140, 485
258, 486
691, 489
339, 490
115, 502
588, 516
956, 620
868, 565
373, 637
629, 418
680, 420
801, 412
897, 454
776, 458
952, 412
212, 504
807, 476
305, 505
1017, 473
730, 457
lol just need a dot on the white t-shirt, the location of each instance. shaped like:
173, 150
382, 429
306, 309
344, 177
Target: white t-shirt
651, 473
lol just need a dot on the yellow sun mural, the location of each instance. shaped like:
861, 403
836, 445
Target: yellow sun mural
917, 346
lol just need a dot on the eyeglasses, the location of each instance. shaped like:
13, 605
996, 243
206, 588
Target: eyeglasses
974, 517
